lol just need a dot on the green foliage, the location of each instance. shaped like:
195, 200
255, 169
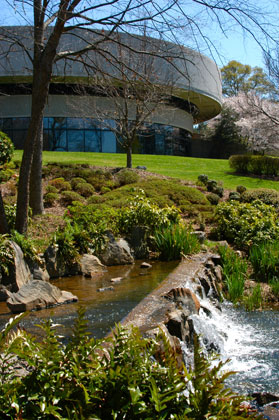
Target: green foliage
254, 300
241, 189
68, 197
60, 184
266, 195
246, 224
6, 174
10, 211
84, 189
254, 164
141, 212
51, 189
264, 258
77, 180
127, 176
226, 129
174, 241
234, 195
274, 284
213, 199
203, 179
234, 272
27, 246
6, 148
6, 254
129, 378
211, 185
50, 198
63, 239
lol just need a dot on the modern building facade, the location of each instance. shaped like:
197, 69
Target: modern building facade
80, 116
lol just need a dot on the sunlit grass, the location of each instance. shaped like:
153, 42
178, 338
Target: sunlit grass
185, 168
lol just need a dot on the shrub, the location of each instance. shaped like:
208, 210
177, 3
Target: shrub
264, 258
10, 211
50, 198
234, 195
127, 176
6, 174
203, 179
76, 380
258, 165
246, 224
77, 180
51, 189
6, 254
268, 196
67, 197
255, 299
85, 189
27, 246
105, 190
6, 148
219, 191
174, 241
60, 184
240, 163
213, 198
141, 212
234, 273
241, 189
211, 185
274, 284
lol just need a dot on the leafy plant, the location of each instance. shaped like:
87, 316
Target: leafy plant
174, 241
27, 246
246, 224
128, 378
68, 197
85, 189
50, 198
264, 258
266, 195
6, 148
6, 254
213, 198
234, 273
234, 195
127, 176
254, 300
274, 284
60, 184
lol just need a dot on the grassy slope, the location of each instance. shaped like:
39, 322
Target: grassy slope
175, 166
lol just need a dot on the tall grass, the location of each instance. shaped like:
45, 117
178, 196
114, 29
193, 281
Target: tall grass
174, 241
234, 271
264, 258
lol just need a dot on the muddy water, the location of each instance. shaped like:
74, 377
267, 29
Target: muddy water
103, 309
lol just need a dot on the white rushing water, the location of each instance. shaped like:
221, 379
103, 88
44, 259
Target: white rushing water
249, 339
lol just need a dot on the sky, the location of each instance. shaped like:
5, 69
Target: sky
233, 45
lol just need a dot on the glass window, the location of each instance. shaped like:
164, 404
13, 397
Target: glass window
160, 143
18, 138
57, 123
108, 142
20, 123
75, 140
7, 123
93, 140
55, 140
75, 123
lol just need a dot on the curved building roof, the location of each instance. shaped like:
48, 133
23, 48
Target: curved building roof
192, 77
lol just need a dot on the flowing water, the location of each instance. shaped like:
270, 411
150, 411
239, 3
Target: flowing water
103, 309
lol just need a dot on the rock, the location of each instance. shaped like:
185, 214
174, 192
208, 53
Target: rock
104, 289
137, 241
56, 267
145, 265
38, 294
116, 279
19, 273
91, 265
116, 252
40, 274
200, 235
185, 297
143, 168
4, 293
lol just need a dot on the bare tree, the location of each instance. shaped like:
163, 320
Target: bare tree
51, 21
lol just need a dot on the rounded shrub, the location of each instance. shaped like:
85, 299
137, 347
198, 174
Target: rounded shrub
213, 198
127, 176
77, 180
219, 191
85, 189
67, 197
234, 196
266, 195
203, 179
6, 148
50, 198
211, 185
51, 189
241, 189
60, 184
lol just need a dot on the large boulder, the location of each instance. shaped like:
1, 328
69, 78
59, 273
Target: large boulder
90, 265
56, 267
117, 252
19, 272
38, 294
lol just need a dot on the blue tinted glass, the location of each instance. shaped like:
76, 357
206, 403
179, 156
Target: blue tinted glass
46, 122
20, 123
75, 123
160, 143
75, 140
57, 123
93, 140
108, 142
55, 140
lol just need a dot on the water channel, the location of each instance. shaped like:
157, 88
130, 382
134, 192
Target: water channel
249, 339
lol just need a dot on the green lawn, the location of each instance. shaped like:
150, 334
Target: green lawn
186, 168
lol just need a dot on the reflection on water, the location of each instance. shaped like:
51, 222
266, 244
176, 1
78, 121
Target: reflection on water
103, 309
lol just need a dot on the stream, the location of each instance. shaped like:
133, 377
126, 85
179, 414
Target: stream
249, 339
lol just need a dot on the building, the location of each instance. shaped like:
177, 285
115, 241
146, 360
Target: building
79, 115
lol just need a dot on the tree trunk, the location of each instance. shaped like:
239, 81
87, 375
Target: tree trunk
4, 228
36, 191
129, 157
